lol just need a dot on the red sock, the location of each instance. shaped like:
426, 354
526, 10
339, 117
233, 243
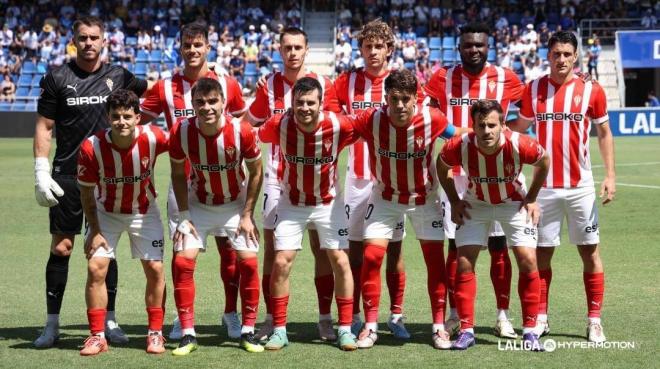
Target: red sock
594, 286
545, 277
396, 285
279, 310
466, 292
500, 275
371, 263
249, 271
325, 288
357, 290
344, 310
436, 277
528, 290
184, 290
96, 319
155, 316
230, 276
265, 289
451, 266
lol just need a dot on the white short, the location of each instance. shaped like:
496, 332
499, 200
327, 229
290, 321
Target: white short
145, 232
173, 214
211, 220
578, 205
272, 193
382, 217
329, 221
356, 199
461, 183
475, 231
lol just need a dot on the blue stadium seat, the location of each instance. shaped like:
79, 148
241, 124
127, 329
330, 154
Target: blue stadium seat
29, 67
277, 58
251, 70
517, 66
435, 56
435, 43
169, 42
42, 68
5, 106
34, 92
492, 55
212, 56
543, 53
491, 41
23, 91
131, 41
142, 56
18, 106
354, 43
448, 56
24, 80
36, 79
155, 55
140, 68
448, 42
409, 65
31, 106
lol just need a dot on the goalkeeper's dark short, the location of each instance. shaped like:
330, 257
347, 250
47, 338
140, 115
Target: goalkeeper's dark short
67, 216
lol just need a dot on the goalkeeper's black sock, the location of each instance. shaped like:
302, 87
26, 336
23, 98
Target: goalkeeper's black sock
57, 271
111, 284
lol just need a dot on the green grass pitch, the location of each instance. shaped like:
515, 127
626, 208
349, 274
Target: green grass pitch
630, 251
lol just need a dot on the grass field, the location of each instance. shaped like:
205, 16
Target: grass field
629, 234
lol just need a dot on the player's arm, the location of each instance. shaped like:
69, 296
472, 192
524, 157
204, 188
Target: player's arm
180, 187
45, 188
94, 238
247, 224
520, 125
606, 145
541, 169
458, 206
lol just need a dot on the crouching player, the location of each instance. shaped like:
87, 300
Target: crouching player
493, 158
219, 199
114, 172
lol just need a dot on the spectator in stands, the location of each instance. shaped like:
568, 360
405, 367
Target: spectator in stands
213, 37
502, 22
409, 52
46, 51
4, 65
345, 15
7, 89
423, 72
70, 50
143, 40
530, 34
265, 37
31, 42
566, 22
47, 34
344, 48
237, 64
544, 34
116, 35
448, 25
251, 51
651, 101
157, 39
174, 15
593, 53
6, 36
649, 20
152, 73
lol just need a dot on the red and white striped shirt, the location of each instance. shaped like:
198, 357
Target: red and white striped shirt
275, 97
122, 176
309, 158
217, 161
358, 91
173, 96
563, 116
493, 178
401, 158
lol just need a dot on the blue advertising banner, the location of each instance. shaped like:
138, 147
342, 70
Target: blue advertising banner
639, 49
635, 121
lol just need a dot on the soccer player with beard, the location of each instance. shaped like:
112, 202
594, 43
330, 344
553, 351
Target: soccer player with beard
454, 89
563, 107
72, 101
115, 168
400, 137
492, 159
216, 197
274, 96
310, 141
172, 97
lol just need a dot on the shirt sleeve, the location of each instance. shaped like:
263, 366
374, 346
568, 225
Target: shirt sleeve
249, 146
176, 151
47, 105
330, 100
259, 111
451, 152
162, 139
348, 134
598, 105
420, 94
342, 90
435, 87
526, 109
439, 121
530, 150
269, 132
88, 167
152, 104
133, 83
236, 105
514, 87
361, 122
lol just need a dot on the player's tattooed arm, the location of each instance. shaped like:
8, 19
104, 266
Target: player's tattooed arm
606, 145
247, 226
541, 169
458, 206
94, 238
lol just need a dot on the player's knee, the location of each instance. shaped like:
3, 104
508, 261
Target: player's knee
153, 270
281, 264
496, 243
526, 258
97, 268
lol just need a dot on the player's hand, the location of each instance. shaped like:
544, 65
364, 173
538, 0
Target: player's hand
247, 229
533, 211
261, 82
45, 188
586, 77
93, 242
184, 229
459, 212
607, 190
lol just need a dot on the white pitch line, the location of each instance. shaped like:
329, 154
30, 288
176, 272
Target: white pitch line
628, 164
634, 185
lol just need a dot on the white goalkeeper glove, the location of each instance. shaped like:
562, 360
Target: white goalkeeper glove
45, 188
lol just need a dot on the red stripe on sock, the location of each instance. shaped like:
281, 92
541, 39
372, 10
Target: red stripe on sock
528, 290
155, 315
96, 319
249, 287
500, 275
436, 278
229, 275
594, 286
344, 310
371, 263
466, 291
280, 305
325, 288
184, 290
545, 278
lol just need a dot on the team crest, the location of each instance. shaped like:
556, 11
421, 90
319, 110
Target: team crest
145, 161
327, 144
508, 169
419, 142
492, 85
230, 151
109, 83
577, 100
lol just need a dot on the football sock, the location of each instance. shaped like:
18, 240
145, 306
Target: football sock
357, 287
436, 278
155, 316
265, 289
451, 266
371, 263
280, 305
528, 290
325, 288
345, 311
230, 276
57, 270
438, 327
396, 285
96, 319
184, 290
545, 277
466, 289
594, 285
111, 284
249, 287
500, 270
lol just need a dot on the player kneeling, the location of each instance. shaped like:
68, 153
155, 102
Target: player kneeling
114, 172
493, 158
219, 199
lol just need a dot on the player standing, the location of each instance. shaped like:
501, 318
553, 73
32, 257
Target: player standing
492, 158
400, 137
455, 89
274, 97
72, 100
115, 167
172, 97
357, 91
563, 107
310, 141
218, 197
